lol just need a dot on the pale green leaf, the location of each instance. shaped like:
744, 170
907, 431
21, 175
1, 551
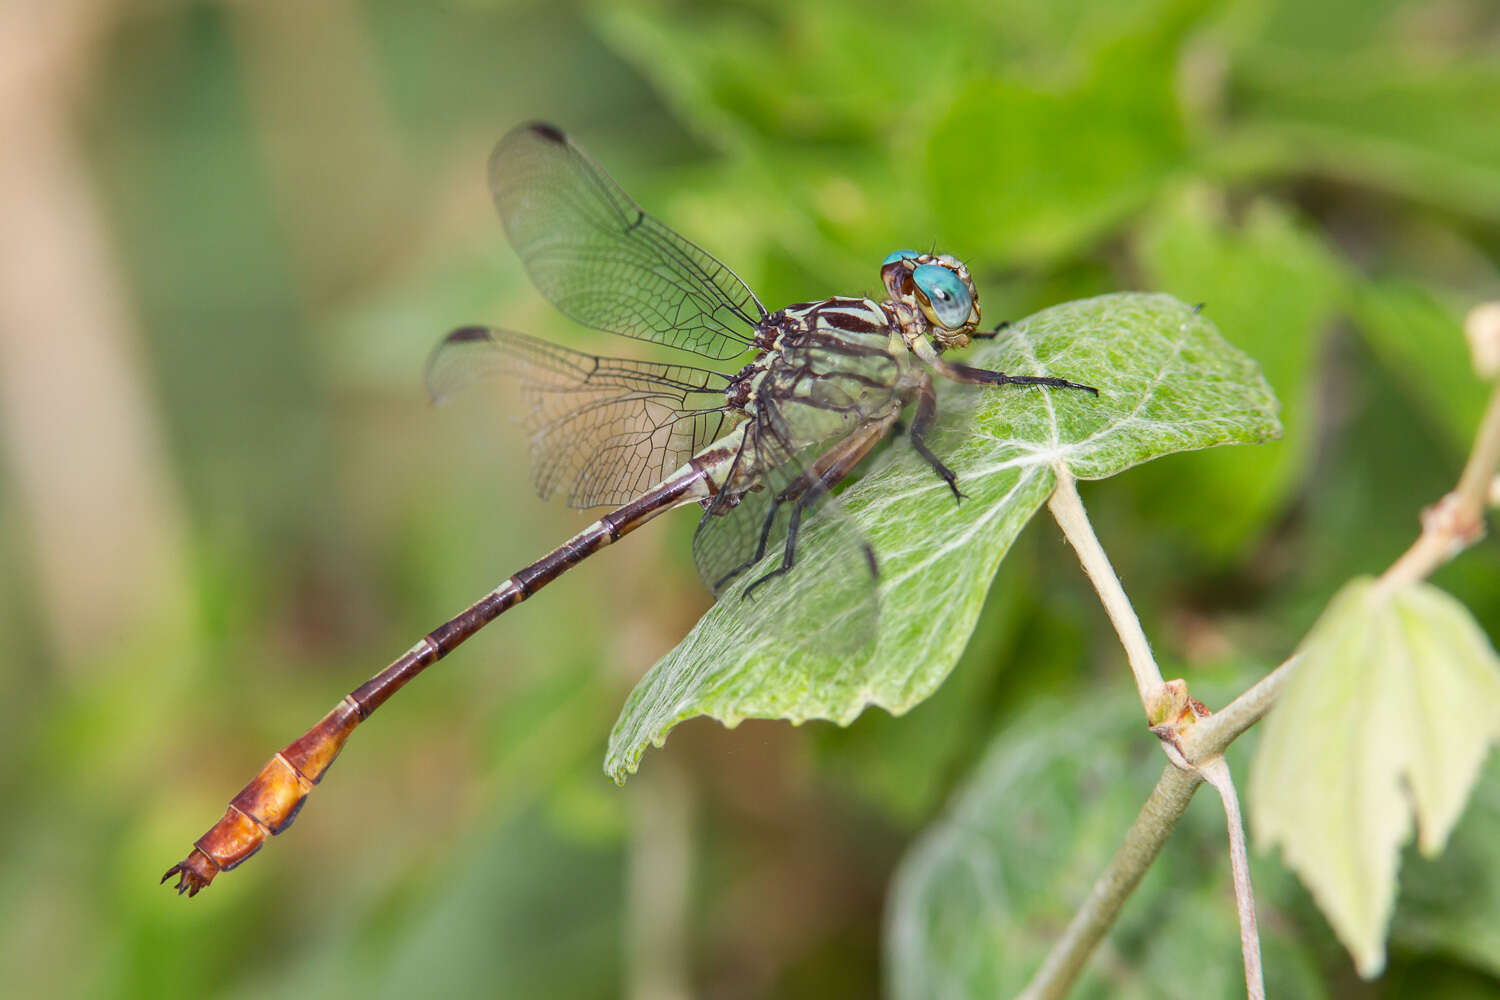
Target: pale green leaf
1167, 382
1450, 905
1392, 708
983, 895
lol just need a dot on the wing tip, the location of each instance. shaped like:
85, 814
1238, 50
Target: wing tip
468, 334
548, 131
436, 392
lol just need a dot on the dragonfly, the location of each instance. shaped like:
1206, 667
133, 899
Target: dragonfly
758, 447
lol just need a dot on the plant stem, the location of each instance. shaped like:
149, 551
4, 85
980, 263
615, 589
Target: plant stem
1216, 773
1479, 472
1144, 840
1205, 741
1457, 520
658, 887
1142, 843
1211, 736
1450, 526
1067, 507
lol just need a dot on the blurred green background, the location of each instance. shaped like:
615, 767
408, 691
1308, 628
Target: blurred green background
232, 231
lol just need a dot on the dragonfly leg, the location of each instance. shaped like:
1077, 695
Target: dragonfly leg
920, 424
1000, 327
960, 372
794, 525
826, 473
760, 547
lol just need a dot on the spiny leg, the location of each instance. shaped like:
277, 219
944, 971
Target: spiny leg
760, 546
812, 485
960, 372
920, 424
794, 524
1000, 327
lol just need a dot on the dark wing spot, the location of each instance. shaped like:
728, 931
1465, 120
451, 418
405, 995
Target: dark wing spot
467, 334
551, 132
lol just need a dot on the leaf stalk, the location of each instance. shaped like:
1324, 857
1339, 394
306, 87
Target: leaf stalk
1067, 508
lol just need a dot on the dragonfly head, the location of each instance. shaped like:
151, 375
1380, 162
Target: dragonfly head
937, 287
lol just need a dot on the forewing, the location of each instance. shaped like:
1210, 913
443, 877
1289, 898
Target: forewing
592, 251
601, 430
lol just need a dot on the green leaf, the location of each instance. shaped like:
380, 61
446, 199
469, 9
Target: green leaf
983, 895
1033, 129
1033, 163
529, 911
1277, 286
1047, 169
808, 170
1368, 117
1167, 382
1386, 720
905, 765
1450, 905
1421, 340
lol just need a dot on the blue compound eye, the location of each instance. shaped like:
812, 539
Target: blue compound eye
899, 255
950, 300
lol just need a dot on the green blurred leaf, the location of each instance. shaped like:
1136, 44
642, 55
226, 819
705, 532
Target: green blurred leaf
1275, 286
1386, 720
713, 64
982, 896
1421, 340
1021, 167
807, 167
1451, 904
1044, 171
1075, 133
1368, 117
1167, 382
524, 910
1329, 27
904, 764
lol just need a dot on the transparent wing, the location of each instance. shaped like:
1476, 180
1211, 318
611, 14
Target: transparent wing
601, 430
741, 544
592, 251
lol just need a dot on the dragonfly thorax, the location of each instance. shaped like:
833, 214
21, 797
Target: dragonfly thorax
825, 367
931, 295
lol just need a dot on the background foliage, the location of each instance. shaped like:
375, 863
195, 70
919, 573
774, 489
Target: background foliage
236, 229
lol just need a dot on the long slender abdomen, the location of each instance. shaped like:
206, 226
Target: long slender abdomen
267, 805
